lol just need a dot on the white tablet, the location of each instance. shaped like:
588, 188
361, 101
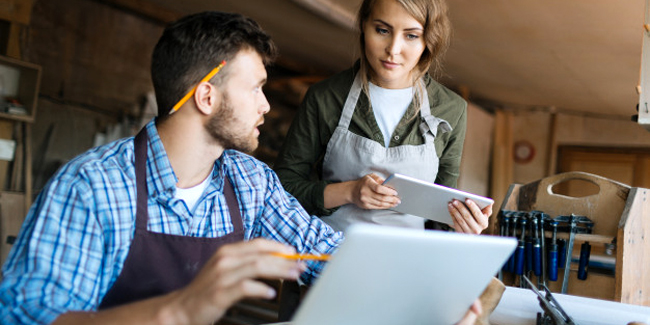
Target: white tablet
386, 276
429, 200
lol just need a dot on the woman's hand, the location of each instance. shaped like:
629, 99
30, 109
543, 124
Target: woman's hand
468, 218
365, 192
368, 193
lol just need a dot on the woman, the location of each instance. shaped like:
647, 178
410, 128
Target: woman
384, 115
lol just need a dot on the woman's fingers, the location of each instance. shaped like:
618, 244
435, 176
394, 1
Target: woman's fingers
372, 195
467, 217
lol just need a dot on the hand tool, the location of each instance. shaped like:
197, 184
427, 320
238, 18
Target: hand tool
519, 252
552, 253
569, 251
583, 265
528, 246
316, 257
505, 231
561, 253
513, 223
542, 219
572, 221
536, 251
553, 312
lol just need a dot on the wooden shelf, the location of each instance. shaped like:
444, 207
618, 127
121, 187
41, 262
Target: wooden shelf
21, 81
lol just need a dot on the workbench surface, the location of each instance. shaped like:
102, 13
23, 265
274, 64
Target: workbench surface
520, 307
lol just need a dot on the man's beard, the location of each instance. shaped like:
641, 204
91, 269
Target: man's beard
225, 128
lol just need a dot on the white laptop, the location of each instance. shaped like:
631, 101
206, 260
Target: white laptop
391, 276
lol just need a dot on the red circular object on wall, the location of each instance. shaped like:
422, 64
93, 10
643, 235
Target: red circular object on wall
523, 151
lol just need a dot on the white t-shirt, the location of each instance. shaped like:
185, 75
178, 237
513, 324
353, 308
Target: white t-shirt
389, 105
192, 194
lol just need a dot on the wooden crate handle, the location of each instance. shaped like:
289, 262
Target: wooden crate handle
605, 185
604, 208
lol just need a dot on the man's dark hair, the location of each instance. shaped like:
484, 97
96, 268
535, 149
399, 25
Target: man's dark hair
194, 45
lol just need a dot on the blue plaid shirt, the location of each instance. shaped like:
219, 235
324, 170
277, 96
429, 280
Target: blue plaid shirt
78, 232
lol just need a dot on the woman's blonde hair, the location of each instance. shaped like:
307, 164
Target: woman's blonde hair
432, 15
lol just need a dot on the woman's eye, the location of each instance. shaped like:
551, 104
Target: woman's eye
381, 30
412, 36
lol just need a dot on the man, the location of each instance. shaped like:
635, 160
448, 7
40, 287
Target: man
127, 233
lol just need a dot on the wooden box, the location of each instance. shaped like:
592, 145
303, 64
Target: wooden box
621, 214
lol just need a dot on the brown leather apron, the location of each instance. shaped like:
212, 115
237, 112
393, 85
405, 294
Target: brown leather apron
159, 263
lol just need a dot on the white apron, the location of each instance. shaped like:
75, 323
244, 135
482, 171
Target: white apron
350, 157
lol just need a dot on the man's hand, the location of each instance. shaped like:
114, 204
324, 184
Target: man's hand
230, 275
472, 314
468, 218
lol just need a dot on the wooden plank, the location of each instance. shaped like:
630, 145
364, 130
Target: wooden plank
551, 150
633, 253
644, 79
28, 165
146, 9
19, 11
12, 215
19, 156
6, 132
13, 43
502, 161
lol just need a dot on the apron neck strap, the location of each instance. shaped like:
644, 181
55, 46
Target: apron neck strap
355, 92
142, 192
142, 214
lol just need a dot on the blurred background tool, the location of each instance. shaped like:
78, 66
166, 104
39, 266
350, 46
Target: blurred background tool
552, 253
553, 312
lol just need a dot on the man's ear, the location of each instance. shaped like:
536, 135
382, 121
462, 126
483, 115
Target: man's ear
207, 97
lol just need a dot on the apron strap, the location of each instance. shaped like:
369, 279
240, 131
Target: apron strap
350, 103
142, 214
140, 151
233, 206
429, 125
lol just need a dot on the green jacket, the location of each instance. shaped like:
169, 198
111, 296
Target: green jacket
299, 164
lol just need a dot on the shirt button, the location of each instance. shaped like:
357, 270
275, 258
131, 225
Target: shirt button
396, 137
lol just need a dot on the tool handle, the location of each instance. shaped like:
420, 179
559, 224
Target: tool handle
537, 258
585, 251
519, 259
561, 254
552, 263
528, 255
509, 265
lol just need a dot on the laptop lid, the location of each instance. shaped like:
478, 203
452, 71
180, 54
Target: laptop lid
385, 276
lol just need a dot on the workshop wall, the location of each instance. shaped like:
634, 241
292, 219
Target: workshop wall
475, 163
534, 127
95, 61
